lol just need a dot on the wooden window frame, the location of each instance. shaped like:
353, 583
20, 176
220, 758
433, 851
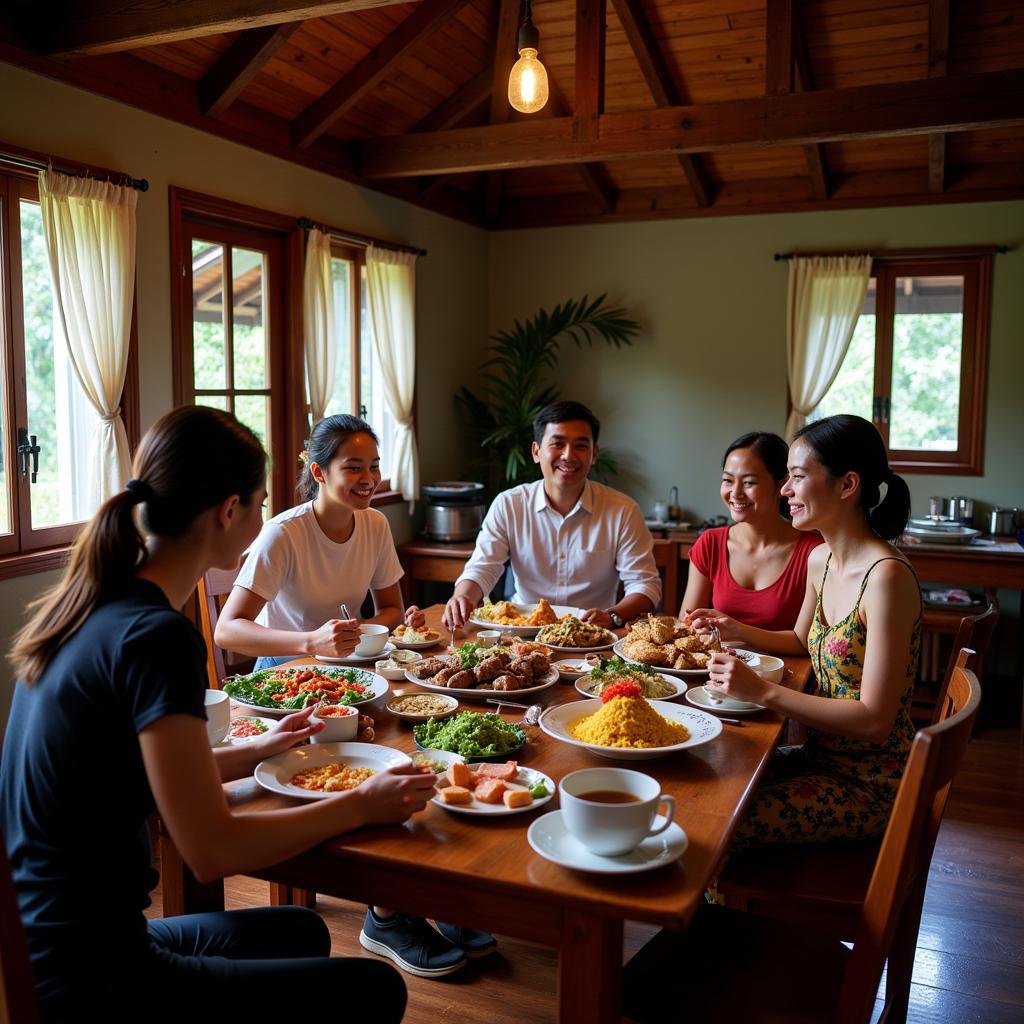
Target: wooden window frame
976, 269
25, 551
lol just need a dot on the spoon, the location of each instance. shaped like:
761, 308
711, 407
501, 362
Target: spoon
533, 712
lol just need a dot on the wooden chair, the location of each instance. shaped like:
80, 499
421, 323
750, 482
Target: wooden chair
18, 1004
667, 561
938, 622
766, 970
974, 633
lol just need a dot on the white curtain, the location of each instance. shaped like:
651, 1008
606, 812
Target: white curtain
826, 296
319, 324
391, 291
90, 239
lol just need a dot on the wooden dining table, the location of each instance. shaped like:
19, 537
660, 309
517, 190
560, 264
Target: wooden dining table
482, 873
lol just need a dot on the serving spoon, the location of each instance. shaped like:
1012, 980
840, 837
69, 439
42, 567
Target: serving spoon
533, 712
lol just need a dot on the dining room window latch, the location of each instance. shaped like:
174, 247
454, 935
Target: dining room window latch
28, 448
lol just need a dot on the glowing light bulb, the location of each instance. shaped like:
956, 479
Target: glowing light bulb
528, 82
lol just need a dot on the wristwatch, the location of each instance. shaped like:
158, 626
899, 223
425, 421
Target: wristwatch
615, 617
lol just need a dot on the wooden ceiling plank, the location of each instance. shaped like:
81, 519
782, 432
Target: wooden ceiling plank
591, 22
459, 105
87, 27
778, 51
239, 65
990, 100
506, 52
938, 63
803, 81
653, 67
318, 117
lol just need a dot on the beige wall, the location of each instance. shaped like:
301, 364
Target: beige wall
37, 113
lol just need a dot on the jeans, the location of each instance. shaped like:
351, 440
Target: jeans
265, 661
265, 964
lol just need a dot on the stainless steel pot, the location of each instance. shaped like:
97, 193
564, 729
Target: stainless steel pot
1002, 522
454, 522
962, 510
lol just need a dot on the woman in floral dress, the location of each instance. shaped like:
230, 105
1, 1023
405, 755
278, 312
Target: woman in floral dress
860, 623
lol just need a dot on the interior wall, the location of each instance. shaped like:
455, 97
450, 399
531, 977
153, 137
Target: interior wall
54, 118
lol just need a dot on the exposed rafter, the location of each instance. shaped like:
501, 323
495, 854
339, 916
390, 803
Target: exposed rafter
381, 61
505, 54
637, 27
938, 62
778, 50
803, 81
590, 34
239, 65
594, 177
989, 100
79, 28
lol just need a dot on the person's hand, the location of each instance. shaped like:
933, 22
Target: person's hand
736, 679
289, 732
457, 611
336, 638
703, 619
414, 617
390, 797
598, 617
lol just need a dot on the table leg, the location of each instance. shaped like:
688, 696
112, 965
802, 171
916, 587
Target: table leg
590, 969
182, 894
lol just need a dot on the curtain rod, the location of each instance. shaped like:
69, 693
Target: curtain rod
82, 171
348, 236
921, 254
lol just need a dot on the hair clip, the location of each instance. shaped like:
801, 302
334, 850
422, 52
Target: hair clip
304, 457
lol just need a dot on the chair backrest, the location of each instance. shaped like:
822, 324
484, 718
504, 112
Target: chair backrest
18, 1003
908, 842
666, 558
213, 590
975, 634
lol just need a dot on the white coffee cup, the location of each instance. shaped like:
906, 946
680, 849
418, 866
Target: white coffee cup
218, 716
373, 639
612, 826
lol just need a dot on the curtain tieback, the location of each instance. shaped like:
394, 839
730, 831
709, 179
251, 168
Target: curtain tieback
406, 421
111, 417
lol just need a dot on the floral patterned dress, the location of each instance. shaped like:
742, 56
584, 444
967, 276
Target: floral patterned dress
835, 789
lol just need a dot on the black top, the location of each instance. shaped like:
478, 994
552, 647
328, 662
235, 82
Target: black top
74, 797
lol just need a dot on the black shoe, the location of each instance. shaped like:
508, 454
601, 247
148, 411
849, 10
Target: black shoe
471, 942
412, 944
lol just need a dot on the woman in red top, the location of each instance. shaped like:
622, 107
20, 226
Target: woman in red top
756, 570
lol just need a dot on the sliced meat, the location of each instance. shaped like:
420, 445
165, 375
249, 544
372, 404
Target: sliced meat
489, 791
506, 771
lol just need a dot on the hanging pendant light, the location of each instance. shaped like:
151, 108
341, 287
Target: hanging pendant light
528, 81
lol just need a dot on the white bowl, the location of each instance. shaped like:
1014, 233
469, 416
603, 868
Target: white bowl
337, 727
374, 639
445, 757
218, 716
769, 667
406, 660
487, 637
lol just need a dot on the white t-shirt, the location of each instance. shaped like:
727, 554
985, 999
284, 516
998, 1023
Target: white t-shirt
304, 576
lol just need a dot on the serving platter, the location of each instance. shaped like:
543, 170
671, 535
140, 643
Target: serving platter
275, 773
684, 673
466, 693
582, 650
679, 686
378, 684
524, 609
931, 535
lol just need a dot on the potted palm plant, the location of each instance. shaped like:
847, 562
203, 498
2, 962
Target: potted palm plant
516, 385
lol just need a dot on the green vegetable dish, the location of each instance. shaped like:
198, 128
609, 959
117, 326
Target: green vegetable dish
470, 734
614, 670
293, 688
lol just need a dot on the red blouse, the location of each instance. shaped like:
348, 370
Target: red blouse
776, 606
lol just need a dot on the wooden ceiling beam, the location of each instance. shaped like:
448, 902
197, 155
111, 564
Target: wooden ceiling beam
80, 28
591, 20
803, 81
938, 63
380, 62
459, 105
778, 50
637, 26
506, 52
239, 65
992, 99
594, 176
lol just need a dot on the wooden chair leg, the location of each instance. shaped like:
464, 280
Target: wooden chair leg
285, 896
900, 965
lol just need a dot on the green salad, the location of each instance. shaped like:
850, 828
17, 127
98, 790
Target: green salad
469, 654
614, 670
294, 688
470, 734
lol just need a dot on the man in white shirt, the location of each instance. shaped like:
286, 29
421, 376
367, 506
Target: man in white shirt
569, 539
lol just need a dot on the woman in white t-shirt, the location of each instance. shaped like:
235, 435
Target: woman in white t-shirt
314, 558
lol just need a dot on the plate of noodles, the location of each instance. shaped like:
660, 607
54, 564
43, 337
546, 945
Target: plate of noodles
629, 727
520, 619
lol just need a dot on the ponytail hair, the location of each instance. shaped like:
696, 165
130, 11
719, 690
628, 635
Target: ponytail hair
327, 437
772, 451
189, 461
845, 444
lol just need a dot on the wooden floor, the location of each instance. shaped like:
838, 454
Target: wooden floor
970, 957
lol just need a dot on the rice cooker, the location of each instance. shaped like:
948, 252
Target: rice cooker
454, 509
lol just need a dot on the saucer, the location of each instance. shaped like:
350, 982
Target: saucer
698, 697
549, 838
358, 659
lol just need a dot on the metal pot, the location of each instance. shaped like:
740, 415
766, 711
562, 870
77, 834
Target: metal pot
1002, 522
962, 510
454, 522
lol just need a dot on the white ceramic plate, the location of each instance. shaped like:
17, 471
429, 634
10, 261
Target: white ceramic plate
353, 659
379, 685
276, 773
425, 755
684, 673
525, 609
417, 645
549, 838
680, 687
573, 668
234, 741
960, 535
581, 650
698, 697
394, 674
525, 777
465, 693
555, 721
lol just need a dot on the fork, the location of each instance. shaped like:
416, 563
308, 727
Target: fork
711, 695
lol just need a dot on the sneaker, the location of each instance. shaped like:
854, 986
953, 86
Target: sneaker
471, 942
412, 944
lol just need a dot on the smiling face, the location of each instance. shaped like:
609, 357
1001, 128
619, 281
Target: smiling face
352, 475
565, 454
814, 497
749, 491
